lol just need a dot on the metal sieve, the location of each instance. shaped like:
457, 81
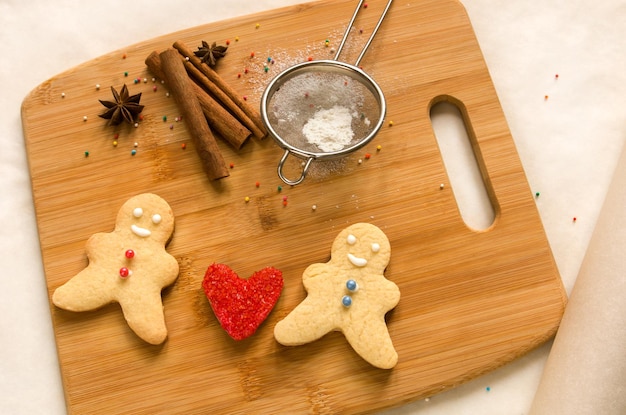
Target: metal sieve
324, 109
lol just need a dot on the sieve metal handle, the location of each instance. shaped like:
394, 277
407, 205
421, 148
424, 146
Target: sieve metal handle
369, 41
305, 169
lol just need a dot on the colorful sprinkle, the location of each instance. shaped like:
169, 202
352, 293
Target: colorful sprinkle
114, 143
252, 54
183, 146
367, 156
379, 147
246, 199
352, 286
257, 184
124, 56
346, 300
154, 88
574, 219
133, 152
279, 189
232, 165
236, 38
130, 254
86, 153
391, 123
164, 118
227, 42
257, 25
124, 272
537, 194
310, 58
125, 73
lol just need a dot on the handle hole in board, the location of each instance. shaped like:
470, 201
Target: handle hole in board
462, 164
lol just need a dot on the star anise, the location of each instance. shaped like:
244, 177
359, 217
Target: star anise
210, 53
125, 108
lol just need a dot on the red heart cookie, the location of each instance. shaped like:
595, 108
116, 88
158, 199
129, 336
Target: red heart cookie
241, 305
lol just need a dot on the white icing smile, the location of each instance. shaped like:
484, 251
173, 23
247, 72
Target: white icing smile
356, 261
139, 231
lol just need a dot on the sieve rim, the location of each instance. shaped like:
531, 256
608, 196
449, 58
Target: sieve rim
331, 66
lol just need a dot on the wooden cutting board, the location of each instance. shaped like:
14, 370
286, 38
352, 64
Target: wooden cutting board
471, 301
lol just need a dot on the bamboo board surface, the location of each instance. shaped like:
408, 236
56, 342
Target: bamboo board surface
471, 301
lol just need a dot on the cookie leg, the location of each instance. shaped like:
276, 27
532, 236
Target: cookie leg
145, 317
371, 340
304, 324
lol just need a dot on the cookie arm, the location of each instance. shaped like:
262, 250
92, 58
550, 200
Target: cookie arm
306, 323
82, 293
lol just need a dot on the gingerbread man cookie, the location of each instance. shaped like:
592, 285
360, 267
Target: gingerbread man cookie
129, 266
350, 294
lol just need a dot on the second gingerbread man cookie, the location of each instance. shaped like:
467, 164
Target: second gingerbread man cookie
349, 294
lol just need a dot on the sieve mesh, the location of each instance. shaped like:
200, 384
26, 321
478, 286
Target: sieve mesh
323, 108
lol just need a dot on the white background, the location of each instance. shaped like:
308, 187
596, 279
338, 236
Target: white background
568, 144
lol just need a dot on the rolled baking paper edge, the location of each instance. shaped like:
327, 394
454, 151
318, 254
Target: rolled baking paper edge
586, 369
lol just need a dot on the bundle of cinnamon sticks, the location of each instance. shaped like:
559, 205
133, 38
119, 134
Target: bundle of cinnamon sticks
207, 102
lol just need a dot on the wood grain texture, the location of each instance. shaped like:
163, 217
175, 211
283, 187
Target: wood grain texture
471, 301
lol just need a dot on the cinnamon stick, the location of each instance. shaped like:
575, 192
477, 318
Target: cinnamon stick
221, 96
223, 91
219, 119
182, 89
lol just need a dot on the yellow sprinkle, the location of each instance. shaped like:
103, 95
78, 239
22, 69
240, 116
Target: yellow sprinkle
258, 25
114, 143
390, 123
246, 199
379, 147
236, 38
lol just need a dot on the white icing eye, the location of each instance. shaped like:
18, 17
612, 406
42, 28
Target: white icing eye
351, 239
138, 212
156, 218
375, 247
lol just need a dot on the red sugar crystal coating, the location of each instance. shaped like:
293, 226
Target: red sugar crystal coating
241, 305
